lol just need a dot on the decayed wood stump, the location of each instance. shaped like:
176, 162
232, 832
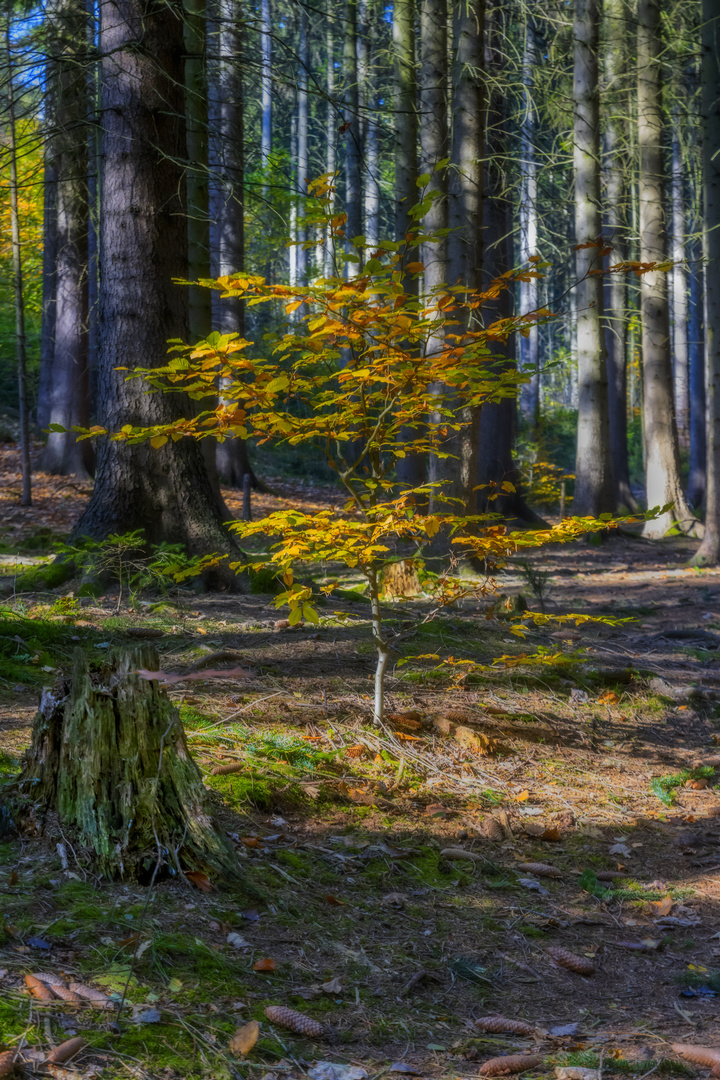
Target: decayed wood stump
109, 758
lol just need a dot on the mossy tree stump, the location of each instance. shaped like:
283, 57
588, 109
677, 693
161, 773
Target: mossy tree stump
109, 758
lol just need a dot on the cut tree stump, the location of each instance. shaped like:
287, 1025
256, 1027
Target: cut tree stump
110, 763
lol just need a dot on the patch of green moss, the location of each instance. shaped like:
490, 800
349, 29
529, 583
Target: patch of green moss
249, 789
48, 576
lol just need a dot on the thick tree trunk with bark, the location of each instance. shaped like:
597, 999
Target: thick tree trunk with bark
303, 169
47, 330
434, 131
69, 375
329, 268
593, 469
709, 552
616, 201
109, 763
679, 294
266, 82
663, 483
165, 492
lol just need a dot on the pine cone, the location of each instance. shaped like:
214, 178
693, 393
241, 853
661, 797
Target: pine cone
609, 875
7, 1062
38, 989
513, 1063
493, 829
97, 999
294, 1021
49, 979
501, 1024
699, 1055
67, 995
580, 964
66, 1050
540, 869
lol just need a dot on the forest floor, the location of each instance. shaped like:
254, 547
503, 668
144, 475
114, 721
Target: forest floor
599, 763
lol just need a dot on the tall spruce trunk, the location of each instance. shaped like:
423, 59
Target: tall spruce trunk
529, 344
302, 176
266, 83
69, 403
371, 142
679, 293
663, 482
616, 203
709, 551
165, 492
18, 290
593, 469
329, 262
498, 420
353, 146
696, 367
411, 468
228, 232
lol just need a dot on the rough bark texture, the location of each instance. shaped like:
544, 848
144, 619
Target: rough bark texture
109, 758
266, 81
303, 167
69, 374
434, 130
368, 34
47, 330
662, 459
616, 201
329, 268
165, 492
593, 470
709, 552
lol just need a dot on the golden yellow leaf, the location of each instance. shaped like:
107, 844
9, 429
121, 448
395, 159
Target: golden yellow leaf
245, 1038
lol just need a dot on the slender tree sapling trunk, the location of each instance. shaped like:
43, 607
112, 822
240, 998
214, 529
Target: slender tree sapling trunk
331, 124
663, 482
26, 495
593, 469
616, 201
69, 379
709, 551
165, 492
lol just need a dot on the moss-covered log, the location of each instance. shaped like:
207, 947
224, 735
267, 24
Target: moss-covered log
110, 761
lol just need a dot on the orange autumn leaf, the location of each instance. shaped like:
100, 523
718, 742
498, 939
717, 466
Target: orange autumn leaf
662, 907
406, 738
250, 841
330, 899
264, 965
199, 880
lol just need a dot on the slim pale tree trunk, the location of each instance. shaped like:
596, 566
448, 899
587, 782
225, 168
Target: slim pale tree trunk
266, 83
49, 277
371, 144
663, 482
529, 351
164, 492
25, 468
593, 470
69, 380
709, 551
302, 176
352, 136
331, 125
679, 292
696, 358
616, 201
434, 131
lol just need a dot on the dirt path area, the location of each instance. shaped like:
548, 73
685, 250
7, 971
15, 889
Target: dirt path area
416, 878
